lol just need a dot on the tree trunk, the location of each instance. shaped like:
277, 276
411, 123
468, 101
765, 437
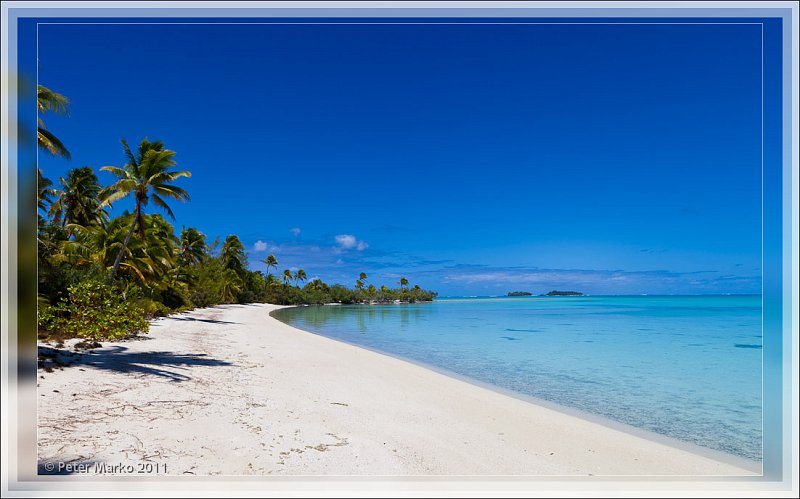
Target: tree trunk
178, 273
124, 245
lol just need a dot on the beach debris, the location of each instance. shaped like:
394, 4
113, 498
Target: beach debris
87, 345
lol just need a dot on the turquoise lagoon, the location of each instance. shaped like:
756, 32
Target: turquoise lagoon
687, 367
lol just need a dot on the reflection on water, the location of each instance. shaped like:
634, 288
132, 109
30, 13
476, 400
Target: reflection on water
366, 317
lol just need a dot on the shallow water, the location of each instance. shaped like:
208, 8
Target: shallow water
687, 367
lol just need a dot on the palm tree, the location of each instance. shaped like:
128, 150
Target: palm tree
230, 286
147, 258
232, 255
44, 190
300, 275
362, 277
403, 282
95, 244
270, 261
287, 276
44, 194
154, 255
192, 250
47, 100
147, 176
77, 202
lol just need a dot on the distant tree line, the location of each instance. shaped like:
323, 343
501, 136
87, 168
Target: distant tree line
102, 277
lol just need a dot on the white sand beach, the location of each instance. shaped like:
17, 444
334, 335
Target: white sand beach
229, 390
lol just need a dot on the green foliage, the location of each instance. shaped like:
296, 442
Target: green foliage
145, 176
77, 202
95, 311
150, 307
172, 298
155, 272
48, 318
317, 292
232, 255
49, 101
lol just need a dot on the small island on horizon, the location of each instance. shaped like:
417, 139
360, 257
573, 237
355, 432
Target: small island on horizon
563, 293
551, 293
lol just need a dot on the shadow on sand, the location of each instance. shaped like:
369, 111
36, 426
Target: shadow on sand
118, 358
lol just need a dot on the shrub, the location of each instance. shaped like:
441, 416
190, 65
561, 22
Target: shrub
97, 311
172, 298
150, 308
48, 319
201, 298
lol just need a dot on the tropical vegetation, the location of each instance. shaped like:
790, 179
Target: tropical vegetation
102, 276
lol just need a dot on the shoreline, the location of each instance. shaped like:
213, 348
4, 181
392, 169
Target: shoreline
732, 459
255, 396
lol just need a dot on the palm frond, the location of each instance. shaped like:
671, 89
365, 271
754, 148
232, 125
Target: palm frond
116, 171
47, 100
112, 194
128, 153
135, 270
164, 177
172, 191
156, 161
163, 205
51, 144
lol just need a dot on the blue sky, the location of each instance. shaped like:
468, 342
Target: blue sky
472, 159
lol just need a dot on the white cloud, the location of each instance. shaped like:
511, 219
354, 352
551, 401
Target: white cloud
295, 230
346, 241
260, 246
349, 241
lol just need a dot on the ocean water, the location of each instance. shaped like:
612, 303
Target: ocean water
688, 367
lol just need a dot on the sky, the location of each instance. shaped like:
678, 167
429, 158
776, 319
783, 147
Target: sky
470, 159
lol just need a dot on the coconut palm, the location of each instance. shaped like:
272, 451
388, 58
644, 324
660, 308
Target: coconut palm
232, 255
270, 261
45, 190
192, 250
300, 275
77, 202
287, 276
155, 254
403, 282
48, 236
47, 100
147, 258
362, 277
146, 176
95, 244
230, 286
